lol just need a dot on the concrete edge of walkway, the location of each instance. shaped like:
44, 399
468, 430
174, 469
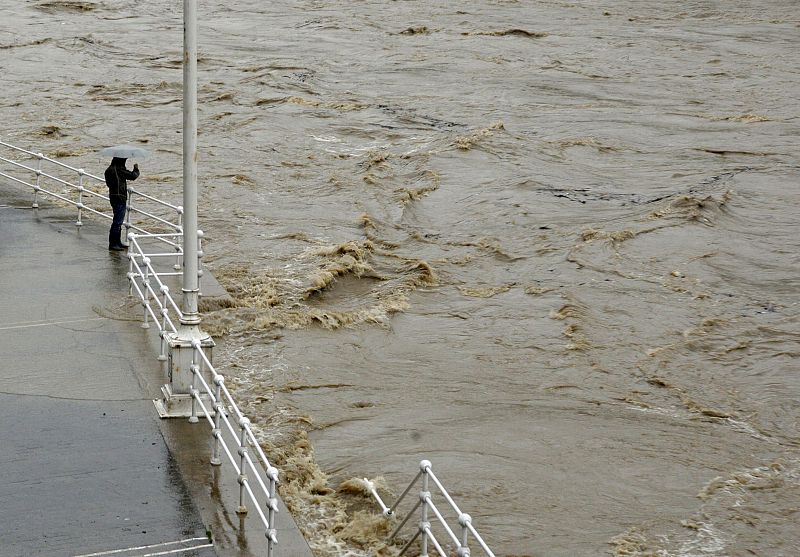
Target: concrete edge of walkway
215, 489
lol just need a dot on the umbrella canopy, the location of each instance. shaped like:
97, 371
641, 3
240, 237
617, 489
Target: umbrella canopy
125, 152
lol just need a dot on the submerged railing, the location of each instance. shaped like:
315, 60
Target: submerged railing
426, 505
210, 398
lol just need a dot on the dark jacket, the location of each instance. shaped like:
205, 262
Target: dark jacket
117, 177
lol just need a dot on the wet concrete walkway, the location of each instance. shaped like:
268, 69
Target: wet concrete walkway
84, 465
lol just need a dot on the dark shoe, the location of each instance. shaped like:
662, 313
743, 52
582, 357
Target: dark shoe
117, 248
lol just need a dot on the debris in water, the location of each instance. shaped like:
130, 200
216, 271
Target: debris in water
52, 132
466, 142
421, 30
485, 291
66, 6
509, 33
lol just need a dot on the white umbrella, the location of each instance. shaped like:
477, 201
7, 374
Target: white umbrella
125, 152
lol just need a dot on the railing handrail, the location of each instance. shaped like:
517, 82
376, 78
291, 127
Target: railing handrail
81, 188
44, 157
177, 208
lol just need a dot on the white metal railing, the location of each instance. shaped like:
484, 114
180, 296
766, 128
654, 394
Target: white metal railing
141, 275
142, 268
210, 399
86, 199
426, 505
223, 404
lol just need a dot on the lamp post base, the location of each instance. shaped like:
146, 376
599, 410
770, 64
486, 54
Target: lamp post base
176, 401
178, 405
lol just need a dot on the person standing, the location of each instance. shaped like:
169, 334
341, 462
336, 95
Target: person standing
117, 177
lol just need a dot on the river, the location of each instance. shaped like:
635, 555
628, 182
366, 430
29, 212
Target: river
550, 246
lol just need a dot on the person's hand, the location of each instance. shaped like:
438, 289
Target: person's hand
136, 165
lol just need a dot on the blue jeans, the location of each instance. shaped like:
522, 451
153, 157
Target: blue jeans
116, 223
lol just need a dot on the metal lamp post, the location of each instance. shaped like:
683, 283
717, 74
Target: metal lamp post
190, 267
178, 392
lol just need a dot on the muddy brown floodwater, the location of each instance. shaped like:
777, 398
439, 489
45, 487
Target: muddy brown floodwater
551, 246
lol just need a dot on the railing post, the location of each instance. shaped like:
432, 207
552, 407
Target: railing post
272, 504
216, 432
128, 207
80, 197
464, 520
131, 274
146, 302
38, 180
193, 392
178, 250
243, 423
162, 356
424, 523
199, 261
